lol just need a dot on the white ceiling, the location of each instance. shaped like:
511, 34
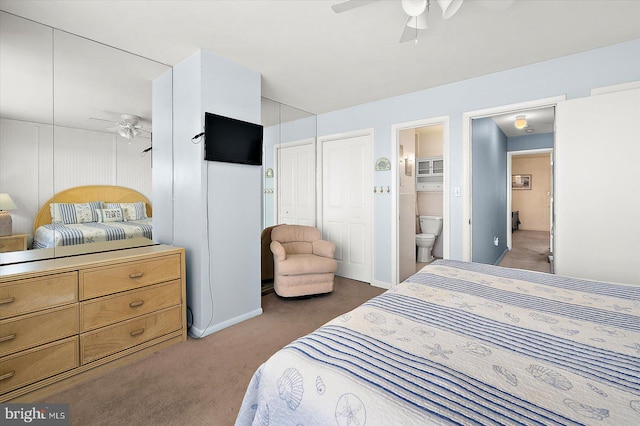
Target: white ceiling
320, 61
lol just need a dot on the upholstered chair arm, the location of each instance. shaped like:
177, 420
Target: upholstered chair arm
323, 248
279, 253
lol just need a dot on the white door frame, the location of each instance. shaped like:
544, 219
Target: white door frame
395, 206
510, 156
319, 186
467, 174
276, 155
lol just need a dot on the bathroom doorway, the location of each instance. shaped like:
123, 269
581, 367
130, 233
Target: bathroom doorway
420, 190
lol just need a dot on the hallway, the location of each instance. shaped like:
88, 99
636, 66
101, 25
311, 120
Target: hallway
530, 251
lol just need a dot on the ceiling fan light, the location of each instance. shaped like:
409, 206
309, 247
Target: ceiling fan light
124, 133
520, 123
414, 7
418, 22
449, 7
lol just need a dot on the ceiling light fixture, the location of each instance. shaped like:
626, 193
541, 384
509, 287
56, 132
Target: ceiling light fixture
449, 7
521, 122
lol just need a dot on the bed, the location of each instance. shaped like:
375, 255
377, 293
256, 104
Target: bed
89, 214
463, 343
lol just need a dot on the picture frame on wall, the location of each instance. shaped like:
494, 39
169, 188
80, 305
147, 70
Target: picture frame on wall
520, 182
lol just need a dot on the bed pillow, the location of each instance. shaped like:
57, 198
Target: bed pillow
110, 215
132, 211
69, 213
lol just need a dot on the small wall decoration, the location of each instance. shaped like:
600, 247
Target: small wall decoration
520, 181
269, 173
383, 164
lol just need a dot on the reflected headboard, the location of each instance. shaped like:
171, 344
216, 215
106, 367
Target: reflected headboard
84, 194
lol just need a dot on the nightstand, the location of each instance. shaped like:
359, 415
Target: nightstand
15, 242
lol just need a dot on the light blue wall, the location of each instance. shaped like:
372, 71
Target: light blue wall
526, 142
489, 191
216, 207
573, 76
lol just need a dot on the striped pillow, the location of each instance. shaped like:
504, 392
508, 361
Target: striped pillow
69, 213
132, 211
110, 215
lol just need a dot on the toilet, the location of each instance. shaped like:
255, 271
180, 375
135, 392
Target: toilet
430, 228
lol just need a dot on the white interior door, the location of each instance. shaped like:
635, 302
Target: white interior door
296, 185
346, 204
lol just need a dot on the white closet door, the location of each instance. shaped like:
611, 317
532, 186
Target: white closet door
347, 204
597, 231
296, 185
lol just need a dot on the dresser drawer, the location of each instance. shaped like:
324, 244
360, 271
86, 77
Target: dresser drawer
110, 309
35, 294
109, 340
126, 276
45, 361
31, 330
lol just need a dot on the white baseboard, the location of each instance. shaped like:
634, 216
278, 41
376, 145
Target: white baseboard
381, 284
197, 333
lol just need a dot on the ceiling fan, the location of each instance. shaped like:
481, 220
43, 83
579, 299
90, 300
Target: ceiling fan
128, 127
417, 12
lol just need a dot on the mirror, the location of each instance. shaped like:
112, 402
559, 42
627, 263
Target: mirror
62, 126
289, 164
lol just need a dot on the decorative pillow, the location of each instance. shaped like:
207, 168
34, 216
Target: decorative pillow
132, 211
69, 213
110, 215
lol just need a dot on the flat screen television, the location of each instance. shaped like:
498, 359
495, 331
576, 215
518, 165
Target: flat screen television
232, 141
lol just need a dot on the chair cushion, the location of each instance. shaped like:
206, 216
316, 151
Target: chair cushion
300, 264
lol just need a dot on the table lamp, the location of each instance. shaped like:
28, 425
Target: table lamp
6, 203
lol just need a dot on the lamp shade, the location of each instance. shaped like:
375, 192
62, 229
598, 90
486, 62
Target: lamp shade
449, 7
418, 22
414, 7
6, 203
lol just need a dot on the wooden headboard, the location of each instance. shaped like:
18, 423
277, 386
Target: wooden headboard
84, 194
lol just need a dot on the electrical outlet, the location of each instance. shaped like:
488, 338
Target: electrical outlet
495, 241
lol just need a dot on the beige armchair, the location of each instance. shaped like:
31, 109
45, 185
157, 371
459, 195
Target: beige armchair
303, 262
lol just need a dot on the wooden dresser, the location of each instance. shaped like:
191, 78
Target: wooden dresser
86, 314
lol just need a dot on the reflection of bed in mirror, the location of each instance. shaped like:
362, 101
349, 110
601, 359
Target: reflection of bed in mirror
90, 214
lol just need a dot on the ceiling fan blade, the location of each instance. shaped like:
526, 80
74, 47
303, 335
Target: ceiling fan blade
113, 129
142, 129
349, 5
498, 5
102, 119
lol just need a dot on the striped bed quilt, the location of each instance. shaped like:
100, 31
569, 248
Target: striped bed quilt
58, 234
467, 344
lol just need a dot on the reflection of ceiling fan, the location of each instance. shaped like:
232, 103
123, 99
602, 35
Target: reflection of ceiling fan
128, 127
418, 10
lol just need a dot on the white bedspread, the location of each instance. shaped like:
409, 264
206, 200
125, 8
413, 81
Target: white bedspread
463, 343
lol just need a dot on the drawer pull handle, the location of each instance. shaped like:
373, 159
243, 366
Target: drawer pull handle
136, 332
7, 300
7, 338
8, 375
136, 303
136, 275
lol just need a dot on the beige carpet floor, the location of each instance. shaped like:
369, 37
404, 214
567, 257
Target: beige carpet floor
203, 381
530, 251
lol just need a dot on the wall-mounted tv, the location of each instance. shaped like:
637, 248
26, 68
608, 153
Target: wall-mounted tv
232, 141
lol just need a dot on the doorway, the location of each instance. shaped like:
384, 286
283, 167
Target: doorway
491, 247
420, 190
529, 210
